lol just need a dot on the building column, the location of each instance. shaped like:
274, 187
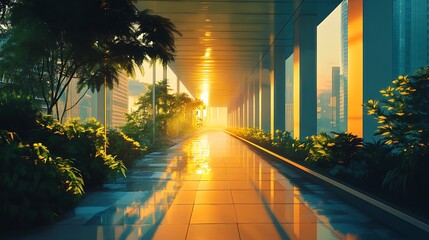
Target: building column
250, 101
279, 89
305, 76
266, 102
289, 94
369, 60
259, 99
164, 71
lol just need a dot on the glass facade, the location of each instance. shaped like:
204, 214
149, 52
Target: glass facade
410, 36
342, 109
289, 94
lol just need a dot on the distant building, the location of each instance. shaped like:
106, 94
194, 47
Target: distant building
116, 103
135, 90
324, 112
343, 87
92, 104
410, 36
335, 99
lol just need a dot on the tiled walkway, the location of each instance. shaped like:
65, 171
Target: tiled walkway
213, 186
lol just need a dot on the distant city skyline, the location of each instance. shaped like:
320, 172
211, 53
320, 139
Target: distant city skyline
328, 49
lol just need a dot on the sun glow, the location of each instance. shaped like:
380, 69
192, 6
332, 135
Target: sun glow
205, 97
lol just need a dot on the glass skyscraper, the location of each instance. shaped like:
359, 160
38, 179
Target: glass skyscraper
342, 108
410, 36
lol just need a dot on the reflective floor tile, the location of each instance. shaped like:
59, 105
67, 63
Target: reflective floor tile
253, 213
261, 231
185, 197
178, 214
246, 196
213, 232
213, 214
213, 185
213, 197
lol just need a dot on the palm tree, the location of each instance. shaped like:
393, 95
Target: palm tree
52, 42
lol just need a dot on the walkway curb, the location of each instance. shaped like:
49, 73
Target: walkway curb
390, 216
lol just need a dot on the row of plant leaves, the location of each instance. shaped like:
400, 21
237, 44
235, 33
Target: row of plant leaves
46, 166
395, 166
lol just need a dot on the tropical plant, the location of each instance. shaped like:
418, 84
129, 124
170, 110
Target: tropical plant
318, 150
84, 143
380, 159
326, 152
403, 117
36, 187
284, 143
345, 148
173, 112
124, 148
18, 114
51, 43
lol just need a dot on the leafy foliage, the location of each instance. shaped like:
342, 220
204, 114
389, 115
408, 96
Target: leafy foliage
174, 112
403, 117
36, 187
18, 113
49, 43
124, 148
326, 152
84, 143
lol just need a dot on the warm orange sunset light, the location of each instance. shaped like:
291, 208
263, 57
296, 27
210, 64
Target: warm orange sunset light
214, 119
355, 90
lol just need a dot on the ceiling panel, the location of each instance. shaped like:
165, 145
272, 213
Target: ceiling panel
222, 41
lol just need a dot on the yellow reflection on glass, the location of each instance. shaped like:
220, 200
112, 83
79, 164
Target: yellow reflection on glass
355, 58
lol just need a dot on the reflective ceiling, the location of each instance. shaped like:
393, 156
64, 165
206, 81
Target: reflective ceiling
224, 41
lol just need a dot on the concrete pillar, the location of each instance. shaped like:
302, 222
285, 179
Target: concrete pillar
272, 86
279, 88
245, 107
164, 71
266, 102
369, 60
250, 100
239, 116
289, 93
260, 92
234, 118
305, 76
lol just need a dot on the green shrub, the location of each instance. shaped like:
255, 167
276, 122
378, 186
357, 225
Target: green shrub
36, 187
403, 117
326, 152
345, 148
319, 154
124, 148
380, 159
18, 114
84, 143
285, 144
